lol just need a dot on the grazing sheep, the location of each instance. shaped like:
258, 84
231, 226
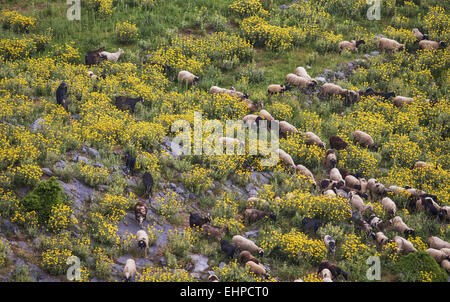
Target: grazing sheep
438, 255
422, 164
214, 232
357, 202
445, 264
335, 175
399, 101
352, 182
93, 57
350, 45
230, 92
249, 119
404, 246
285, 128
380, 239
130, 163
140, 212
389, 205
142, 241
252, 107
188, 78
129, 271
328, 184
313, 139
301, 72
147, 180
401, 227
126, 103
438, 243
375, 188
326, 274
389, 45
444, 214
258, 269
265, 115
245, 244
426, 44
228, 248
330, 243
302, 170
246, 256
277, 89
309, 224
335, 270
61, 95
329, 89
419, 35
396, 190
364, 140
330, 159
253, 215
286, 158
230, 141
300, 82
112, 56
198, 220
337, 143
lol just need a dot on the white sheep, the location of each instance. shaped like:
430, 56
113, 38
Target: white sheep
265, 115
437, 255
245, 244
286, 158
404, 246
438, 243
357, 202
445, 264
256, 268
277, 89
351, 45
426, 44
330, 243
185, 76
312, 139
419, 35
286, 128
91, 75
112, 56
302, 170
301, 72
400, 101
401, 227
389, 45
326, 274
129, 270
364, 139
329, 193
300, 82
249, 119
230, 141
381, 239
142, 241
353, 182
329, 89
330, 159
422, 164
335, 175
389, 205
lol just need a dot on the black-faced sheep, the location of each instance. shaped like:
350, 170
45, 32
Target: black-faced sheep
389, 206
129, 271
444, 214
246, 256
364, 140
228, 248
300, 82
380, 239
335, 270
142, 241
375, 189
389, 45
258, 269
213, 232
245, 244
286, 158
147, 181
335, 175
112, 56
198, 220
426, 44
277, 89
253, 215
130, 163
187, 78
140, 212
438, 243
400, 101
126, 103
311, 224
61, 95
419, 35
312, 139
285, 128
401, 227
213, 278
330, 159
302, 170
352, 182
301, 72
330, 243
337, 143
350, 45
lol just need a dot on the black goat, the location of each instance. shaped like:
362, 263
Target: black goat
125, 103
311, 224
228, 248
130, 162
147, 180
198, 220
93, 57
337, 143
385, 95
61, 95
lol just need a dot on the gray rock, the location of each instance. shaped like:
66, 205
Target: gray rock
92, 152
37, 125
375, 53
284, 7
340, 75
253, 233
47, 171
253, 193
61, 164
78, 158
99, 165
79, 192
200, 262
9, 227
367, 56
321, 79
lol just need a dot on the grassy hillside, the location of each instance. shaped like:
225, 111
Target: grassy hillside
65, 189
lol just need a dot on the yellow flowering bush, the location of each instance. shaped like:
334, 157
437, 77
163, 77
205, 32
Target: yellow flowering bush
247, 8
162, 274
114, 207
54, 261
4, 251
27, 174
197, 180
93, 176
168, 206
16, 21
61, 217
103, 263
126, 32
103, 7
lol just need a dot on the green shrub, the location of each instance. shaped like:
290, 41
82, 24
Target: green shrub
43, 197
419, 266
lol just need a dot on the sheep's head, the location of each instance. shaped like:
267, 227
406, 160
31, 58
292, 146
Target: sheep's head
196, 80
287, 88
442, 45
273, 216
425, 37
401, 47
121, 51
141, 244
359, 42
410, 232
260, 252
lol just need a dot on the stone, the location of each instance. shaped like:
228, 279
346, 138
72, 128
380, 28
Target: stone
37, 125
92, 152
47, 171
